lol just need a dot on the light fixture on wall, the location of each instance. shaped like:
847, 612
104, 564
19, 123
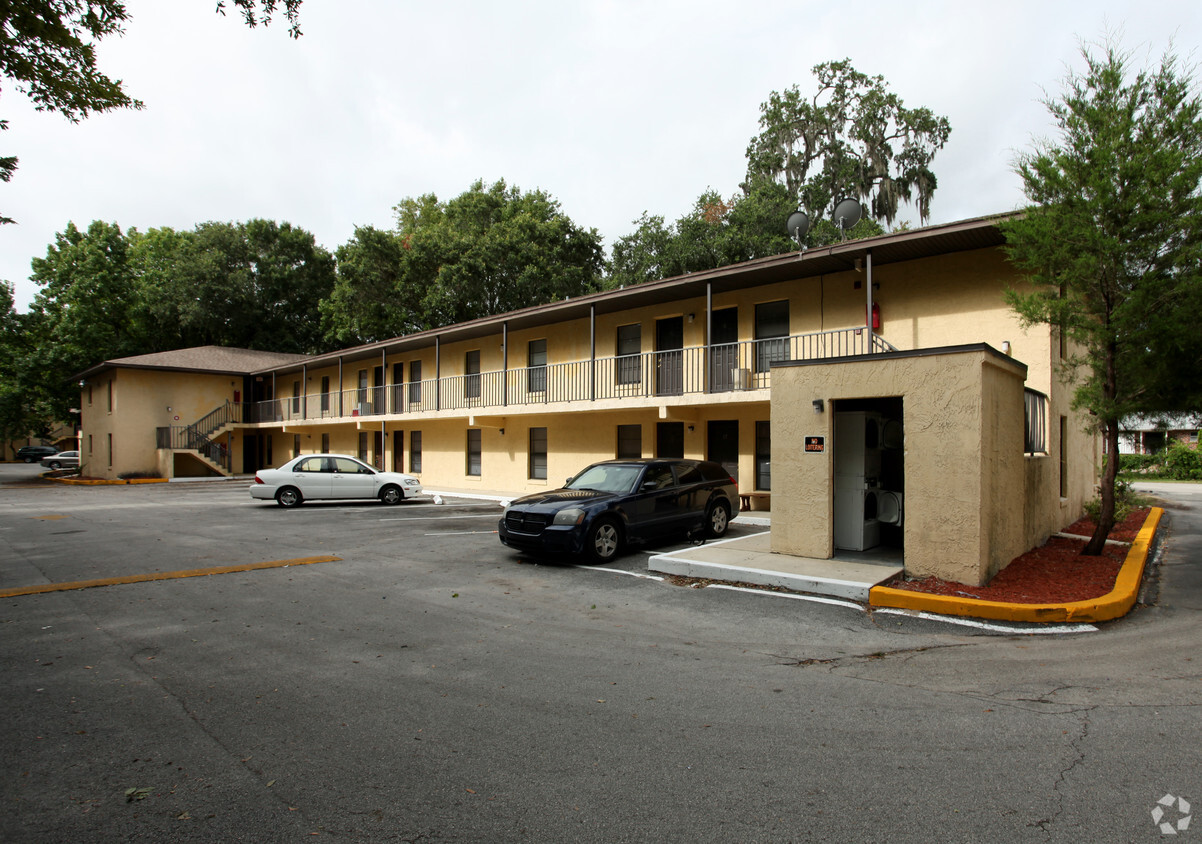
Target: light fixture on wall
690, 429
819, 407
1006, 348
502, 430
691, 318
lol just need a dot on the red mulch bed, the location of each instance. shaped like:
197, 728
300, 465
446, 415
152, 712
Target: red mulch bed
1054, 573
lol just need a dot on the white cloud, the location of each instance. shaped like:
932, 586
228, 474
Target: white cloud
612, 106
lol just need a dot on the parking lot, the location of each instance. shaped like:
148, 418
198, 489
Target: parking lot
430, 684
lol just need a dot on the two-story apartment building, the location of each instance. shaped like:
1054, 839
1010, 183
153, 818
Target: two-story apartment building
825, 379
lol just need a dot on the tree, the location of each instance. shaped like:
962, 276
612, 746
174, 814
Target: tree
84, 313
487, 251
48, 51
852, 138
1113, 243
376, 295
255, 285
715, 233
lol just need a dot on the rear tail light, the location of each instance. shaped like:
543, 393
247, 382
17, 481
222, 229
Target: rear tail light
258, 480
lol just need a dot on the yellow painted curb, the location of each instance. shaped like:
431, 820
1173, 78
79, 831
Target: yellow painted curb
100, 482
162, 575
1112, 605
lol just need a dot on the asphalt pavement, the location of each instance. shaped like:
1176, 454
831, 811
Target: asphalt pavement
428, 684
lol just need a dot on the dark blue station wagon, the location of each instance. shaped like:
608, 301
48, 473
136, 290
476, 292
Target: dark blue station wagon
618, 502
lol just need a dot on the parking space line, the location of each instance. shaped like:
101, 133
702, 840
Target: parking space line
460, 533
163, 575
492, 516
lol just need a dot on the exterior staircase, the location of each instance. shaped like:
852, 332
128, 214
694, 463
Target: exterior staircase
199, 437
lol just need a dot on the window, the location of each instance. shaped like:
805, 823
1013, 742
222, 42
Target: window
763, 455
109, 384
325, 443
325, 394
110, 444
658, 477
89, 395
1063, 458
415, 451
361, 395
630, 441
296, 445
536, 378
473, 452
415, 383
471, 371
629, 348
363, 446
89, 445
771, 333
295, 398
538, 453
1035, 424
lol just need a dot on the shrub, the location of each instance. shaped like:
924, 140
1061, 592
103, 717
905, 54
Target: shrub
1125, 500
1182, 463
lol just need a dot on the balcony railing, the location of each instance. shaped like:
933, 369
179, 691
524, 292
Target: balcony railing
716, 369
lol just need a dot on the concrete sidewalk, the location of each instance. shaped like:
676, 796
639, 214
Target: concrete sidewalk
749, 559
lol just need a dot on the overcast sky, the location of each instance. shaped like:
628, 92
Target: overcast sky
614, 107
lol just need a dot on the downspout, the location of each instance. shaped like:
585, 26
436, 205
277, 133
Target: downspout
304, 391
275, 399
592, 352
868, 313
505, 364
707, 363
437, 372
340, 386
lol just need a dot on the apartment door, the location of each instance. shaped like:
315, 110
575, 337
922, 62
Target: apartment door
377, 392
724, 349
669, 356
722, 445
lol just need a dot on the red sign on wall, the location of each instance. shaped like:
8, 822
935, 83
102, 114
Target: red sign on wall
816, 445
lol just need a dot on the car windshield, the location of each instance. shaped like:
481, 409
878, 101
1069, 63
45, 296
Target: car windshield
607, 478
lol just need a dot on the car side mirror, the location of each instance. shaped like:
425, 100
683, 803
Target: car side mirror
649, 486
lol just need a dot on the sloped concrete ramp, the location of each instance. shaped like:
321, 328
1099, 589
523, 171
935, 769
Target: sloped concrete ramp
749, 559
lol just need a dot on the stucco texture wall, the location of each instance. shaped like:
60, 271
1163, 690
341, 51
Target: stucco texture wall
143, 400
963, 456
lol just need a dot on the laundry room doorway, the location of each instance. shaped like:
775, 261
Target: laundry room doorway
870, 480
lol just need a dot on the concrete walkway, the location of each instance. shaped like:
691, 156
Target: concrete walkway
749, 559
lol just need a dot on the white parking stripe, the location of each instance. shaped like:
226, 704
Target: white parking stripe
1054, 630
439, 518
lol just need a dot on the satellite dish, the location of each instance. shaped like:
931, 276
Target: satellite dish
798, 224
848, 213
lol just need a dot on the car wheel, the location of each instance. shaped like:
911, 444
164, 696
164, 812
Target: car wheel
289, 496
27, 459
604, 540
717, 520
392, 495
55, 465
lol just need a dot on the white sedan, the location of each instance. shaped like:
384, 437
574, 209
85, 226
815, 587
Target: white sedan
331, 476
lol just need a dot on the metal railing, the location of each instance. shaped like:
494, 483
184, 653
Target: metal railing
695, 370
188, 438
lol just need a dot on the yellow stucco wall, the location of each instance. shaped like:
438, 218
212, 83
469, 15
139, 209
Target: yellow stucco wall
962, 415
141, 401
